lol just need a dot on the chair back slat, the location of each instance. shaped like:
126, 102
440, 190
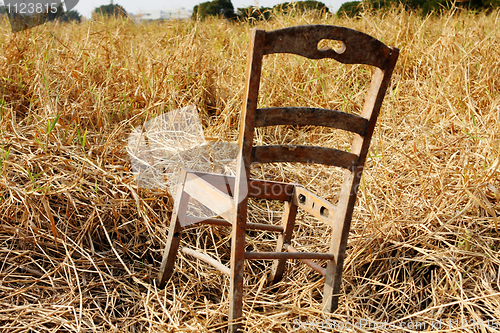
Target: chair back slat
304, 154
311, 116
358, 48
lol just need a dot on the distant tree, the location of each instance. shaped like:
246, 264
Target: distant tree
302, 6
253, 13
492, 3
355, 8
70, 16
350, 9
437, 6
109, 11
422, 6
59, 11
218, 8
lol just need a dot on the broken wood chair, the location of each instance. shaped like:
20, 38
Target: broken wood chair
357, 48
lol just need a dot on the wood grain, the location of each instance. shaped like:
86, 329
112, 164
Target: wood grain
311, 116
304, 154
359, 48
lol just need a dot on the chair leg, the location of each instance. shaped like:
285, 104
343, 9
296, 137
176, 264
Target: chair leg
333, 279
236, 303
237, 270
288, 222
333, 276
174, 237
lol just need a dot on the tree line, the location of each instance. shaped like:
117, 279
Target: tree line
225, 9
424, 7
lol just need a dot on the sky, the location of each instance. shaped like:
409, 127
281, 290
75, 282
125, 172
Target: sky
85, 7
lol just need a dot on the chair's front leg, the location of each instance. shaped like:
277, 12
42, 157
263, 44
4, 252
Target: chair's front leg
237, 268
174, 233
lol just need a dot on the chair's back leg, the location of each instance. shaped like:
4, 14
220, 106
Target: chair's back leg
333, 278
338, 242
174, 234
347, 200
288, 222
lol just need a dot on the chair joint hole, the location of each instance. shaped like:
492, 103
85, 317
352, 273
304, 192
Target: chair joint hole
302, 199
324, 211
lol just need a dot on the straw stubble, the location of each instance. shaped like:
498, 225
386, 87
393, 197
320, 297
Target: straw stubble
79, 240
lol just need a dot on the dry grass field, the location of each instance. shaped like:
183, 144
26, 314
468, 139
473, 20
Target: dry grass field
79, 241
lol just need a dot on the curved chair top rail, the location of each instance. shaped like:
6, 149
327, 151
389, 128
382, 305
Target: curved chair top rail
358, 47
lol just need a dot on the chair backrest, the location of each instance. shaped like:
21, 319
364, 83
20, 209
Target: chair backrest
357, 48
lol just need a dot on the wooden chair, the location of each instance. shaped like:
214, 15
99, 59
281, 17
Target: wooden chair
210, 189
